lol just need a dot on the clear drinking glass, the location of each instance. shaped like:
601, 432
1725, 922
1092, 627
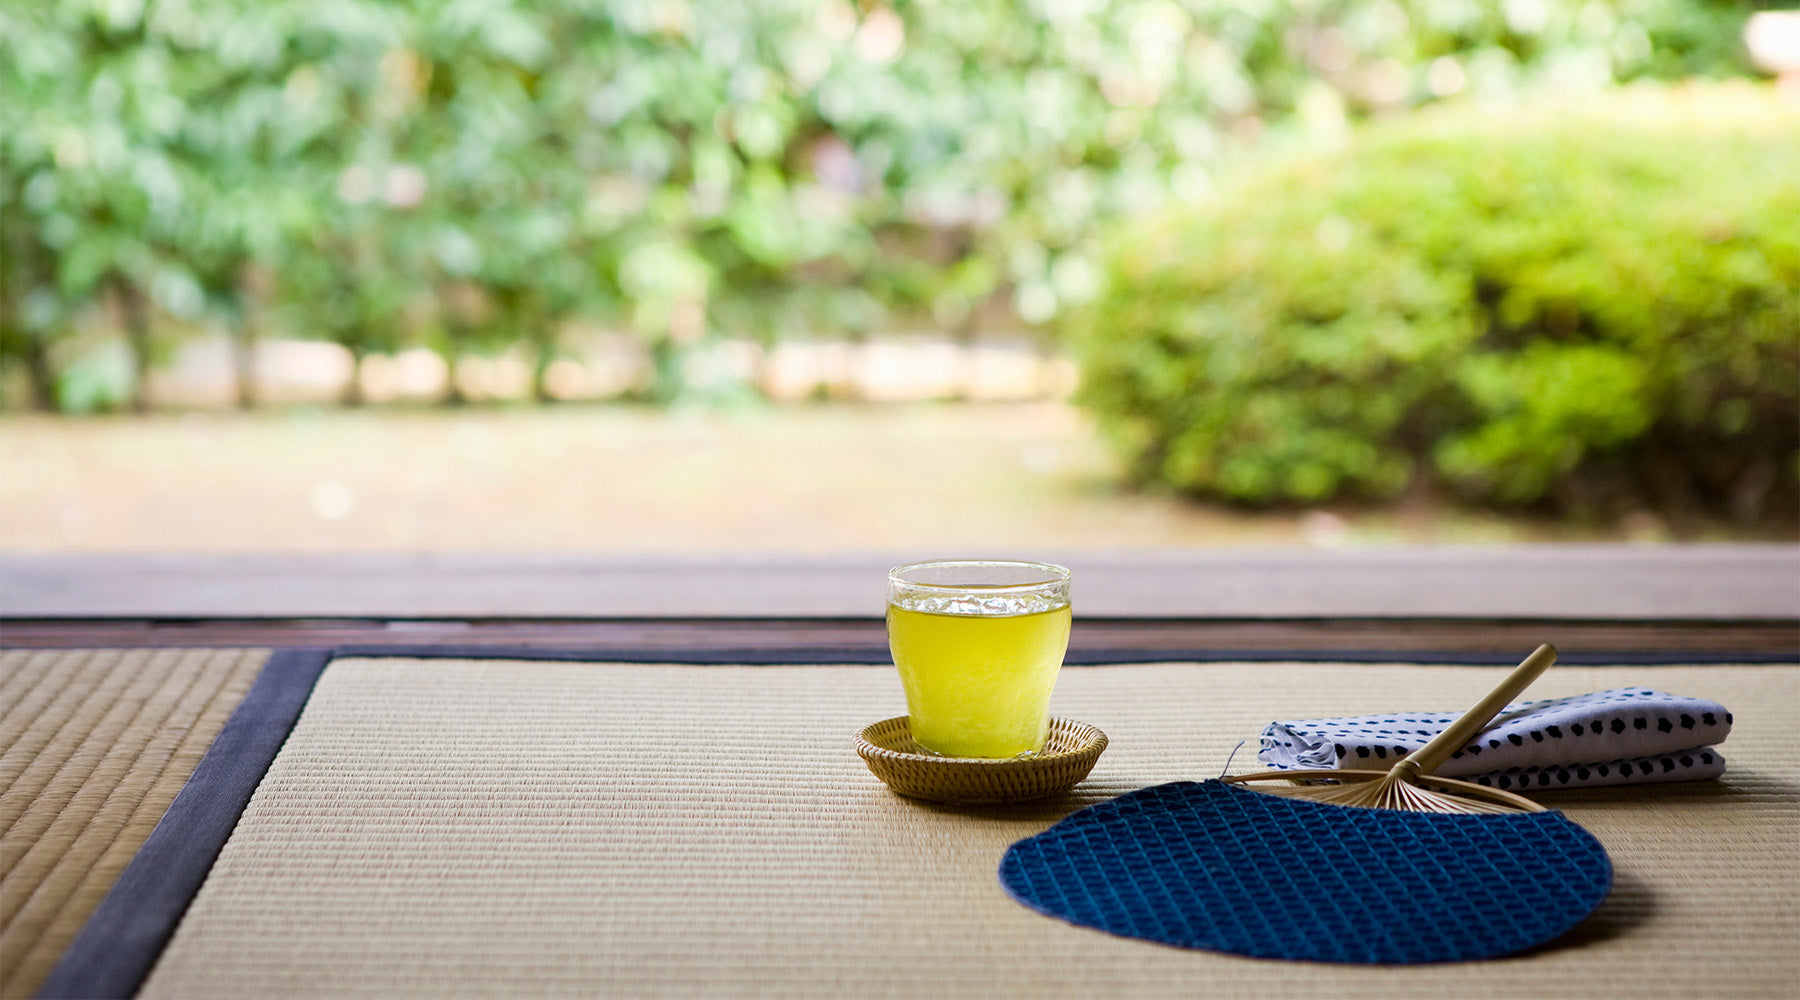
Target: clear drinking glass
978, 643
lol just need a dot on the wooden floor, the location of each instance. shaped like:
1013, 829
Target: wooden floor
1728, 582
1715, 599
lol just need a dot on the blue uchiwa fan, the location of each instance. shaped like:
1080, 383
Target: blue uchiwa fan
1383, 868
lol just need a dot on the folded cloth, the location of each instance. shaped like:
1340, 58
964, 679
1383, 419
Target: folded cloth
1619, 737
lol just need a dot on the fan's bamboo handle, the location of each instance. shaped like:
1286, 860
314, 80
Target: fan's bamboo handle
1458, 734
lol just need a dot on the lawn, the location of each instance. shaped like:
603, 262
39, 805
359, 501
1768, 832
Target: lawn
971, 478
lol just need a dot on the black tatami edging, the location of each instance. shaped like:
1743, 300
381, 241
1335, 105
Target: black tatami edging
764, 656
126, 934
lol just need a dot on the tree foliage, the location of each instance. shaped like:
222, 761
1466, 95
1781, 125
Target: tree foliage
472, 174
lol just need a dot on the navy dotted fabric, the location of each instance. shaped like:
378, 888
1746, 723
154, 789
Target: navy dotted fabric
1624, 736
1219, 867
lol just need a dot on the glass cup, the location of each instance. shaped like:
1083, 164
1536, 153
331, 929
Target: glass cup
978, 643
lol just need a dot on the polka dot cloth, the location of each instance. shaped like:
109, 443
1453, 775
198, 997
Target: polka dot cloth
1625, 736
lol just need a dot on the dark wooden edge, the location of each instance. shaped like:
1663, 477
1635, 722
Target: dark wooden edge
1713, 640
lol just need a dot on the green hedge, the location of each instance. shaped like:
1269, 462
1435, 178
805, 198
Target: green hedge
1548, 305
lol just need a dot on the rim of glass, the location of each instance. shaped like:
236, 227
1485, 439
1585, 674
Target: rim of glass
1054, 577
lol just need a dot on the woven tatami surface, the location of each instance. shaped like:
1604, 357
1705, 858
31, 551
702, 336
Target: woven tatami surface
94, 744
444, 828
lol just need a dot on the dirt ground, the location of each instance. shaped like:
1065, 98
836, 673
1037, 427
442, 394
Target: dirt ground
966, 478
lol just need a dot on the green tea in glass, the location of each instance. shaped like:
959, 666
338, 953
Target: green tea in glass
978, 644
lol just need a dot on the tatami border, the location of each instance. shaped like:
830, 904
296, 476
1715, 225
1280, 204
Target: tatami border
121, 940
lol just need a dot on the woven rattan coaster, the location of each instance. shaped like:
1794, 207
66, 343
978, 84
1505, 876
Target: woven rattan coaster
1068, 755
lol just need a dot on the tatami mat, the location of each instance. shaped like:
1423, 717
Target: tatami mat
94, 744
486, 828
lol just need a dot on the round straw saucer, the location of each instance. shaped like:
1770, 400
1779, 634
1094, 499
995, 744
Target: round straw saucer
1068, 755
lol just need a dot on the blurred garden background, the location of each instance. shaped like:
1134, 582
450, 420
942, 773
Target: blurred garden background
982, 275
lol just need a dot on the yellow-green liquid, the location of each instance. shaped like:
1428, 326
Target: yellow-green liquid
978, 685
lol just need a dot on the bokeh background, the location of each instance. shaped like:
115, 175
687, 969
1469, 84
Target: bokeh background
652, 274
